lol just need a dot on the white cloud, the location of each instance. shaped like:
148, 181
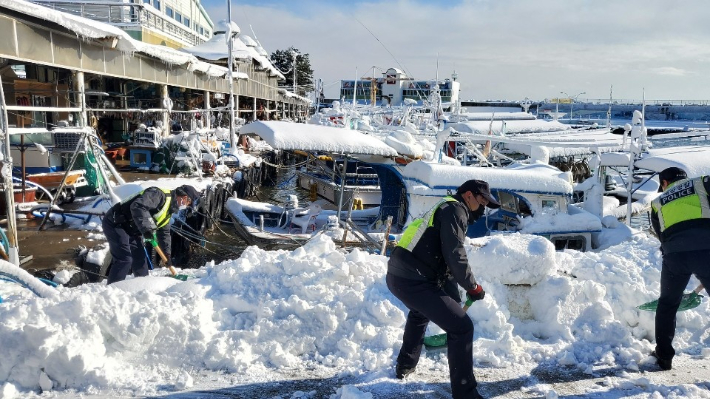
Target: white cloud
670, 71
501, 49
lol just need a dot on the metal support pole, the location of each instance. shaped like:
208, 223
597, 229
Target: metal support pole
230, 66
342, 185
166, 112
81, 97
207, 117
14, 253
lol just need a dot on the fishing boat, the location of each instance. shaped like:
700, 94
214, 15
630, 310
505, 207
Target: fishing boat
289, 226
333, 168
535, 199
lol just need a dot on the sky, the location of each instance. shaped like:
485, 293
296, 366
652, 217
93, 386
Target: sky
501, 50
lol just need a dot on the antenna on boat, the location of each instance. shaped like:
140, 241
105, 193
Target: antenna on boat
643, 123
355, 89
608, 111
437, 67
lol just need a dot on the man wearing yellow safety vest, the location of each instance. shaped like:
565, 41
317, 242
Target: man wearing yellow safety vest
423, 272
143, 216
681, 218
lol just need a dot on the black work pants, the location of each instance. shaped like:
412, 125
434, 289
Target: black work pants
427, 302
675, 274
127, 251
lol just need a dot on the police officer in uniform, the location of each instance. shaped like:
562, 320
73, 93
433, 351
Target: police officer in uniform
681, 218
143, 216
423, 272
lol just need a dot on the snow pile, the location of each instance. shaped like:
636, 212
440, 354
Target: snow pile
551, 220
529, 258
405, 144
330, 313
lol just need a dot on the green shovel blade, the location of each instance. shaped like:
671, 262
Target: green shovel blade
435, 341
689, 301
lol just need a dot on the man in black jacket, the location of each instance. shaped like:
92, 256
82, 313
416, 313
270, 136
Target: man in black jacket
423, 272
143, 216
681, 218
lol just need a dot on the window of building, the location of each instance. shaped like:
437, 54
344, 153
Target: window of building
146, 1
169, 12
178, 16
156, 4
186, 21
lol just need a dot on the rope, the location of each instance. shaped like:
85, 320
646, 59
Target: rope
284, 166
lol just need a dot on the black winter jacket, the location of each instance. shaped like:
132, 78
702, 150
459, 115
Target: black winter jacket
439, 255
136, 215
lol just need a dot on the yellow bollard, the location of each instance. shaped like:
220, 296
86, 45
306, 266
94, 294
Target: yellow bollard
314, 192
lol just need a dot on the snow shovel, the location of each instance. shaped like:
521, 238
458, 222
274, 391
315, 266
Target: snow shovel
440, 340
173, 272
689, 301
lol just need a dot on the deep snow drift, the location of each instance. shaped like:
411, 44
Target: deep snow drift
329, 313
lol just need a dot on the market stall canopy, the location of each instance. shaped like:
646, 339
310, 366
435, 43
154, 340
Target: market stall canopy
317, 138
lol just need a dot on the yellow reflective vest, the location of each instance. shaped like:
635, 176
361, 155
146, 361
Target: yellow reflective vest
162, 217
413, 233
682, 201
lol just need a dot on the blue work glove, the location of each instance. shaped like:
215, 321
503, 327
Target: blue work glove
475, 294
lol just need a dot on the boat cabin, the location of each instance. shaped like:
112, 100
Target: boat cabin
534, 199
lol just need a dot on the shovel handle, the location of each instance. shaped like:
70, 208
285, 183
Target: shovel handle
165, 260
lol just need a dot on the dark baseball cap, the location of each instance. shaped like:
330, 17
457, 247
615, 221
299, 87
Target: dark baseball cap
670, 175
189, 191
479, 187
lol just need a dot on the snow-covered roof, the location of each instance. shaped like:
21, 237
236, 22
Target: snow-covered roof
298, 136
440, 177
694, 160
290, 94
563, 143
90, 29
217, 48
252, 47
512, 126
496, 114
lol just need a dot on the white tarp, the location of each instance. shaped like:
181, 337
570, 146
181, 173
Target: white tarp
439, 176
692, 159
306, 137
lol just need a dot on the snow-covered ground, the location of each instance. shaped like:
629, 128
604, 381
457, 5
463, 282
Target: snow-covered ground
319, 323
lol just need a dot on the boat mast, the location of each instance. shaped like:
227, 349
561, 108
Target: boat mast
608, 111
230, 62
14, 253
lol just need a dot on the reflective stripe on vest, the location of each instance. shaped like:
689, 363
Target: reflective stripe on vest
162, 217
682, 201
414, 232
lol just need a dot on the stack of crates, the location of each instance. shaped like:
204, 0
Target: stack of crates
147, 139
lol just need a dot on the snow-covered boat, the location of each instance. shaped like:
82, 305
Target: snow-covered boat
535, 199
332, 166
288, 226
